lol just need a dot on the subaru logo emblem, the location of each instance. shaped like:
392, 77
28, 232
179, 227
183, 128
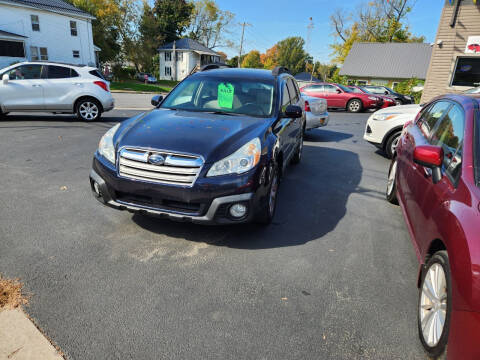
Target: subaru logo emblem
156, 159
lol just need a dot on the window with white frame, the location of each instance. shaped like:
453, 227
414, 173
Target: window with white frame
362, 82
394, 84
168, 71
34, 53
35, 22
168, 56
76, 54
73, 28
38, 53
179, 56
43, 54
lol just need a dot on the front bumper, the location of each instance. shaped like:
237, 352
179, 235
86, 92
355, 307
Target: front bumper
207, 202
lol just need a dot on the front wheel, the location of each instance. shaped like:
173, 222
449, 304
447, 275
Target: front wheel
392, 143
3, 115
391, 193
398, 102
435, 304
266, 214
88, 110
354, 106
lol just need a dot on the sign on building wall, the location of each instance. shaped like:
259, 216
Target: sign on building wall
473, 45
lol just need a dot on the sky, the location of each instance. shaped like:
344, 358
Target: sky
272, 21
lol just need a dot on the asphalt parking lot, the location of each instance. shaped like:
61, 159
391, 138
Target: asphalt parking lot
333, 278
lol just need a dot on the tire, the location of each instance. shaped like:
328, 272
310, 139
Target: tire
3, 115
297, 157
398, 102
437, 307
391, 193
267, 212
354, 106
88, 109
392, 143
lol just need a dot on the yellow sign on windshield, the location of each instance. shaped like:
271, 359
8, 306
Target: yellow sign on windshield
225, 95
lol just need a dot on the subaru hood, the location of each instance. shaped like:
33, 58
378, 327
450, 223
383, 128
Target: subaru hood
212, 136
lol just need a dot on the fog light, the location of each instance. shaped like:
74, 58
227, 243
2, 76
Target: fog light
238, 210
96, 188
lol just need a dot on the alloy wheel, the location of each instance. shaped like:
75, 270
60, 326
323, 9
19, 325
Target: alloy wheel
273, 193
391, 178
433, 305
394, 145
88, 110
354, 106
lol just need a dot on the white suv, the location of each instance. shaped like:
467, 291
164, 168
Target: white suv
56, 88
384, 127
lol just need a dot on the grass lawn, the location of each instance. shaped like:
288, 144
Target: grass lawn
138, 86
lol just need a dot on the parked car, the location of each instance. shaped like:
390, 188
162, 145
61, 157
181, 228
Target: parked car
400, 99
149, 77
341, 97
384, 127
213, 151
316, 112
56, 88
387, 100
435, 177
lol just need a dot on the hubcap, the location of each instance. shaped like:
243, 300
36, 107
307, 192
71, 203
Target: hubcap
273, 193
89, 110
394, 144
398, 102
391, 178
354, 106
433, 305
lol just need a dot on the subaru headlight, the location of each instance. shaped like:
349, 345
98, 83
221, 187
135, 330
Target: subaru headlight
382, 117
373, 98
106, 147
240, 161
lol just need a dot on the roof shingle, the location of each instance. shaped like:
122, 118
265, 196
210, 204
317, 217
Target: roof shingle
52, 5
188, 44
388, 60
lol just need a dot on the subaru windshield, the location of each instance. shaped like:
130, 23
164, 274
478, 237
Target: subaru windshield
230, 96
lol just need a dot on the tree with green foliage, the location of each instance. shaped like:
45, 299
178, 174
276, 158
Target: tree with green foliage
172, 18
291, 54
252, 60
270, 58
210, 25
373, 21
233, 62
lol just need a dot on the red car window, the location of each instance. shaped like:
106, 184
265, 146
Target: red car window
429, 118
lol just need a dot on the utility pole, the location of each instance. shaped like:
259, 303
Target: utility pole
241, 43
309, 39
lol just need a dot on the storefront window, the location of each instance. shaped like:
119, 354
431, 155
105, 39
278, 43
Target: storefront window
467, 72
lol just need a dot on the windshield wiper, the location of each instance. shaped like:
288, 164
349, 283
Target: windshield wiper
219, 112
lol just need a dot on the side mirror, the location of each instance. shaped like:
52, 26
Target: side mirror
385, 93
156, 100
339, 91
430, 157
5, 79
293, 111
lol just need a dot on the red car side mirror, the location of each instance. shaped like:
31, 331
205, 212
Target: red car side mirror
430, 157
339, 91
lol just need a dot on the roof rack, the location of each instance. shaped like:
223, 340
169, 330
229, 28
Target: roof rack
214, 66
280, 70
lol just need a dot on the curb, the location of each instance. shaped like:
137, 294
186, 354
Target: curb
21, 339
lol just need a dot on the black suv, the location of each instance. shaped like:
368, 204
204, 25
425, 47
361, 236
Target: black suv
399, 99
213, 151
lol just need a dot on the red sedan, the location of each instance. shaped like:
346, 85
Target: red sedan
435, 177
387, 100
341, 97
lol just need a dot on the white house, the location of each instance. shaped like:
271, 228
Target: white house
180, 57
45, 30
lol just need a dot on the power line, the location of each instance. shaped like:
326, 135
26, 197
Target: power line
241, 42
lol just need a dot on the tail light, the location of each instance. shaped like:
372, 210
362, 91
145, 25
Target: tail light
307, 106
103, 85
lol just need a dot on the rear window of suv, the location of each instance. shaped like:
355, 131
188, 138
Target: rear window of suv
97, 74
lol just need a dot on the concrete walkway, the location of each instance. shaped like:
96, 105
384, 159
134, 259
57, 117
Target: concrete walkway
21, 340
135, 101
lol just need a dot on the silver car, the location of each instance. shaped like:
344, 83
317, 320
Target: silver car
56, 88
316, 110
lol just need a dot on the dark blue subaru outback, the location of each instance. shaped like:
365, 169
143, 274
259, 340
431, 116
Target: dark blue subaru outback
213, 151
